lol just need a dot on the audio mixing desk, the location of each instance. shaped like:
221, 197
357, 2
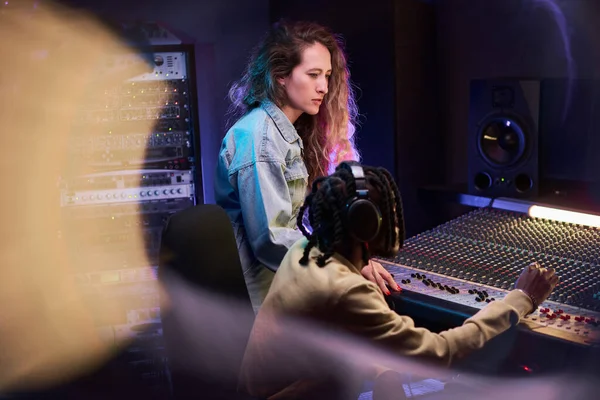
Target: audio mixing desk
463, 265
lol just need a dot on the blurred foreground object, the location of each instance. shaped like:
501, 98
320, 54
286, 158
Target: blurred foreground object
97, 152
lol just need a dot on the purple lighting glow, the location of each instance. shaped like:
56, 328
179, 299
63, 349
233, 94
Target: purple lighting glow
561, 22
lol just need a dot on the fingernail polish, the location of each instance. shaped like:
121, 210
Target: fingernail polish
387, 292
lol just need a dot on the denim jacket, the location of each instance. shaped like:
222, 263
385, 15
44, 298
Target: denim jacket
261, 183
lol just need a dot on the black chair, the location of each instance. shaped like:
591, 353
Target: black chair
198, 244
208, 316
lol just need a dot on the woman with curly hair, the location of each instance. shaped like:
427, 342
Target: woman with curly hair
294, 119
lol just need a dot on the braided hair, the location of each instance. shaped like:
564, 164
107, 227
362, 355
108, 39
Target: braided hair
326, 206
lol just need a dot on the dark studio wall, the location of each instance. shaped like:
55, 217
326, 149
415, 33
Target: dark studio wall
390, 46
419, 140
224, 32
506, 38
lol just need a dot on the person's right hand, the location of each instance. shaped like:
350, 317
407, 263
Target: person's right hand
537, 282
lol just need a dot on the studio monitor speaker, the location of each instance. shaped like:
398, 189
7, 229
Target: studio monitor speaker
503, 137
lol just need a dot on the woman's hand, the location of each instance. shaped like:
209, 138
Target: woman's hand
537, 282
375, 272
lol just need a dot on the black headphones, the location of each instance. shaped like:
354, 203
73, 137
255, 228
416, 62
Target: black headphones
362, 216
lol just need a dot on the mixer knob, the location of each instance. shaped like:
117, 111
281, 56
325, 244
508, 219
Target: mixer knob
149, 193
142, 194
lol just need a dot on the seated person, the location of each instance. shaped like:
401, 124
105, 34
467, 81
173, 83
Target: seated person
356, 213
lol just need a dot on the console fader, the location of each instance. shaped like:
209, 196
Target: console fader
475, 259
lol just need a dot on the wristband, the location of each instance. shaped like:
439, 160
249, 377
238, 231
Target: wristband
532, 298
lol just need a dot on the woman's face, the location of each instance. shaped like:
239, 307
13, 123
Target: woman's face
308, 82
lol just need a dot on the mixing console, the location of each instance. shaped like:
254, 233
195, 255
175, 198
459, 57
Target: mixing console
475, 259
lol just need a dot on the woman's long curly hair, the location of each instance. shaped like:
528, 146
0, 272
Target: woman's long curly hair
328, 136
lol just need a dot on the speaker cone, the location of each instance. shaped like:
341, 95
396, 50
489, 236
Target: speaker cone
502, 141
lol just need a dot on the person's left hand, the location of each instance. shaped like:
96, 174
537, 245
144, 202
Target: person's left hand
375, 272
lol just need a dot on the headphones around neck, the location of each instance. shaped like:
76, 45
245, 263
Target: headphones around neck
362, 216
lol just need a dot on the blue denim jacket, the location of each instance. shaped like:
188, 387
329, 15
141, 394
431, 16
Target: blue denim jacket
261, 183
